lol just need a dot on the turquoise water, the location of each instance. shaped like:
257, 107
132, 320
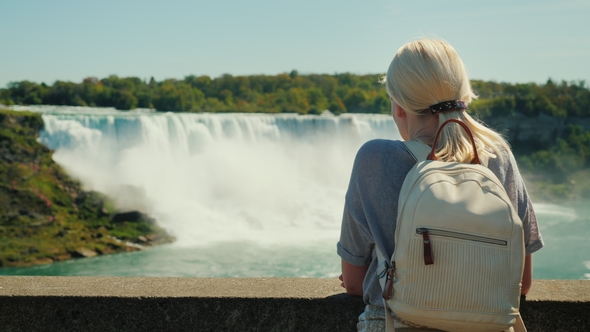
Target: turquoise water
566, 232
314, 260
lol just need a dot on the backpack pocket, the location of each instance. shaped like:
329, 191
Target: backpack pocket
427, 232
427, 242
460, 236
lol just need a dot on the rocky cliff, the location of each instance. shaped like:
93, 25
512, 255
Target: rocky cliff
45, 216
538, 131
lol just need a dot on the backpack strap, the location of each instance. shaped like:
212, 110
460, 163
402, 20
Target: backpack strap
519, 326
419, 152
417, 149
432, 154
389, 327
381, 274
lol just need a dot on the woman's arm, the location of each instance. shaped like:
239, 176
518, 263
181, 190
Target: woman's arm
527, 275
352, 278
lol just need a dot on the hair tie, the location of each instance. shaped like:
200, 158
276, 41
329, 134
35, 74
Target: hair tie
448, 105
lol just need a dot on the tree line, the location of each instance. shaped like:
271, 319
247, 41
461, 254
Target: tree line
293, 93
557, 100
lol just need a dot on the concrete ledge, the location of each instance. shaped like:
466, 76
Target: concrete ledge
202, 304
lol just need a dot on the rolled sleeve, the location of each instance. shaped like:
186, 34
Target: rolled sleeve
516, 189
534, 246
532, 236
351, 258
353, 246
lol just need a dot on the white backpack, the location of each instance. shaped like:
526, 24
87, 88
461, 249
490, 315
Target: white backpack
459, 248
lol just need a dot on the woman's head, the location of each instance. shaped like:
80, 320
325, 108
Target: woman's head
426, 72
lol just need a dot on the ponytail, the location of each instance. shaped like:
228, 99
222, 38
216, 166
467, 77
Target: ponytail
454, 144
427, 72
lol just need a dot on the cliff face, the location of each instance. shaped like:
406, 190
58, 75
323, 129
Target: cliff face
540, 131
45, 216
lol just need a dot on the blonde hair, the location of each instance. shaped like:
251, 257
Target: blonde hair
426, 72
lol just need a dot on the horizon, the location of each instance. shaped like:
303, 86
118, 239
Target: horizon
147, 79
501, 41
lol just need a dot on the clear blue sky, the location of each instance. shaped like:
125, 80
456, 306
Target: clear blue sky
502, 40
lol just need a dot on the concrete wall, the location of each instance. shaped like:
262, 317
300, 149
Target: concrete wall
202, 304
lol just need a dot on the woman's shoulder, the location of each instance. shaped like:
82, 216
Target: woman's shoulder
504, 164
383, 154
381, 148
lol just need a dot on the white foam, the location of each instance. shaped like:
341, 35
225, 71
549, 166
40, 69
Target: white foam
553, 214
219, 177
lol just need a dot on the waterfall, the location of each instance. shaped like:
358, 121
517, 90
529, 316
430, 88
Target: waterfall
210, 178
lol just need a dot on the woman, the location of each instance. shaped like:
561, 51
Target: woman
422, 74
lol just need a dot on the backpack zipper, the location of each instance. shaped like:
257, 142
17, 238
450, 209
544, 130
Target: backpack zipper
426, 232
388, 289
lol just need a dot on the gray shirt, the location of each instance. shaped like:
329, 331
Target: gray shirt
370, 209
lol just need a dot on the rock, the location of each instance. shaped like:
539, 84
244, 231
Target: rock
83, 252
10, 216
27, 213
80, 197
9, 158
106, 250
142, 238
45, 260
131, 248
30, 250
131, 216
62, 257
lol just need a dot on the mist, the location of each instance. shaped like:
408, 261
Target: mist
208, 178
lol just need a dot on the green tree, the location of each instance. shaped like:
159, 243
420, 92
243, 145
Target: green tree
26, 92
175, 96
65, 93
503, 106
381, 104
124, 100
544, 105
356, 101
316, 98
337, 106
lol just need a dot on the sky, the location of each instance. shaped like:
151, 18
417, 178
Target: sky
516, 41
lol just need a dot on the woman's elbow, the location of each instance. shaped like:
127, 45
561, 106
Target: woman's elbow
527, 275
354, 290
352, 278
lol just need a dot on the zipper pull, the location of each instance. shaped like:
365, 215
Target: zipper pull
428, 257
388, 289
